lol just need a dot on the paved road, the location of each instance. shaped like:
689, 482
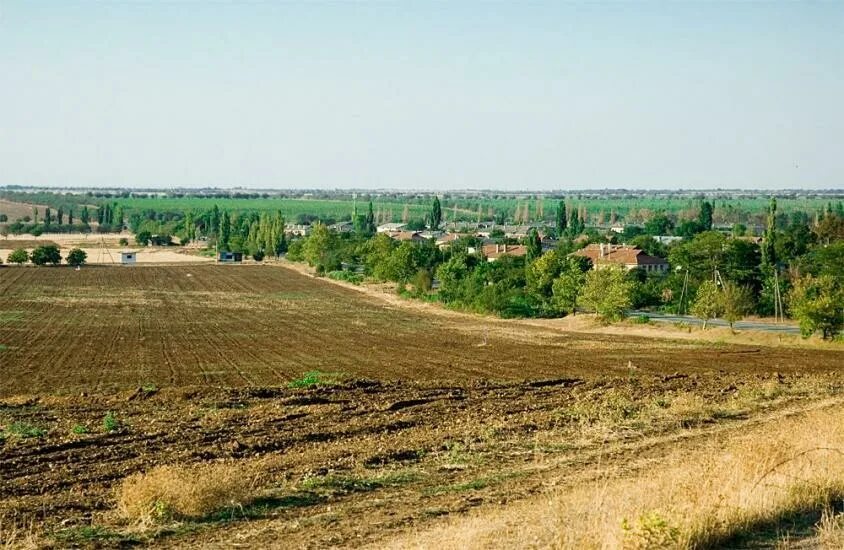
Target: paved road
786, 328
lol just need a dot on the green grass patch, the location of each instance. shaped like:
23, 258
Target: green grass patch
474, 484
10, 316
316, 378
111, 423
90, 534
24, 430
336, 484
79, 429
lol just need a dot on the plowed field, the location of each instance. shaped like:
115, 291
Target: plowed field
423, 415
113, 328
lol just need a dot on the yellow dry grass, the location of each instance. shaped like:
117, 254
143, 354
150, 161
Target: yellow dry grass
178, 492
692, 498
19, 537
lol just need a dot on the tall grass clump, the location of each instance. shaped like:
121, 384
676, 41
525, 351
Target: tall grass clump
176, 492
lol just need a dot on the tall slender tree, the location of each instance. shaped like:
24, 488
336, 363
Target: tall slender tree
436, 214
562, 222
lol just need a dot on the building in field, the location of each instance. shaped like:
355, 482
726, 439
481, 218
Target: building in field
128, 257
230, 257
629, 257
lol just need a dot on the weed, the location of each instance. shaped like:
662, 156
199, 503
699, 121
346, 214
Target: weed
110, 422
25, 431
641, 319
149, 388
316, 378
80, 429
650, 530
3, 347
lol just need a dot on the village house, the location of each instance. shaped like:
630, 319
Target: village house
494, 251
413, 236
629, 257
391, 227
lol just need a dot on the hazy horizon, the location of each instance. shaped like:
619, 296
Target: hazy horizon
470, 96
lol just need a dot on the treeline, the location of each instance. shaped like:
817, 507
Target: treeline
795, 271
254, 233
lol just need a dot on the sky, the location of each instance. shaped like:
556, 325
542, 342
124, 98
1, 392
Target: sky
422, 95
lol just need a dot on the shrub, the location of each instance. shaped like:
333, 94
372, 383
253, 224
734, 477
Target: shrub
18, 256
258, 255
123, 241
168, 493
347, 276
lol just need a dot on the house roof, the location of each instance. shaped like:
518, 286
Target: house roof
615, 254
407, 236
497, 250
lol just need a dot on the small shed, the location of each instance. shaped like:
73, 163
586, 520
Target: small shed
230, 257
128, 257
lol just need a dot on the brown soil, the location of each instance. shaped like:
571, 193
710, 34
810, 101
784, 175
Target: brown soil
434, 414
400, 454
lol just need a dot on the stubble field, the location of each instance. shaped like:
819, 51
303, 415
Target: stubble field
352, 417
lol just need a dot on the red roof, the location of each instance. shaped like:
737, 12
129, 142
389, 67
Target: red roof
621, 255
497, 250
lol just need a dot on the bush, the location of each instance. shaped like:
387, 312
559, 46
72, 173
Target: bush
258, 255
168, 493
123, 241
46, 254
347, 276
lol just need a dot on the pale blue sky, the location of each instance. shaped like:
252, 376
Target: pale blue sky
422, 95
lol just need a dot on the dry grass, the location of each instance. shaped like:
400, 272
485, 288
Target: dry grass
168, 493
19, 537
698, 498
830, 530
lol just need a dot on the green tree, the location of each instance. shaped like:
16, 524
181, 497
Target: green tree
48, 217
607, 292
225, 232
436, 214
562, 222
76, 257
534, 245
85, 216
318, 248
708, 303
18, 256
46, 254
704, 218
736, 302
660, 224
143, 238
567, 286
818, 304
